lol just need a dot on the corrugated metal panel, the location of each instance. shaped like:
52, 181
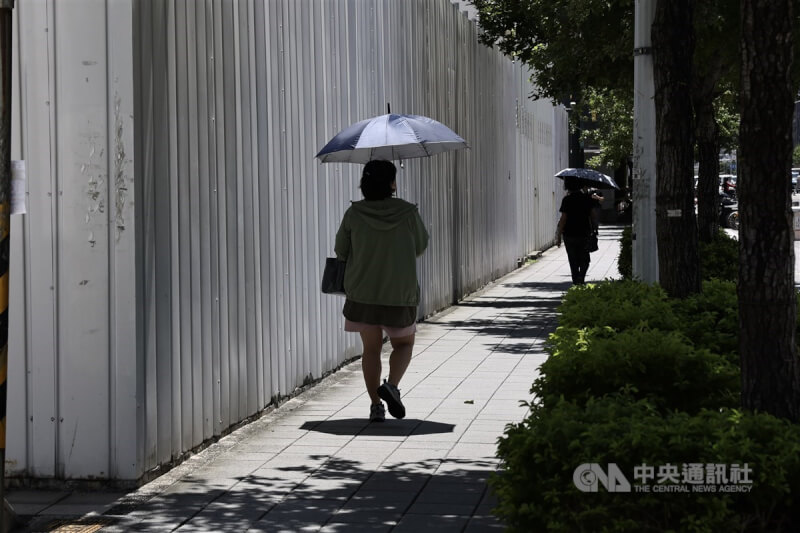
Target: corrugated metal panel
201, 303
74, 366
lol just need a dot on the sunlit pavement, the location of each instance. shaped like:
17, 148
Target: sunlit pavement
316, 464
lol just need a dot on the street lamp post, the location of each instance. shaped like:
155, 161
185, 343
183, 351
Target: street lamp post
645, 245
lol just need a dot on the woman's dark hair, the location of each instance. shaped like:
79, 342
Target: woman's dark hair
377, 178
571, 183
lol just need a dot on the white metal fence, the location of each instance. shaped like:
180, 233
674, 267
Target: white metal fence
165, 279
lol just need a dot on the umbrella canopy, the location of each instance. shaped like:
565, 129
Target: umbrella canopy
390, 137
589, 178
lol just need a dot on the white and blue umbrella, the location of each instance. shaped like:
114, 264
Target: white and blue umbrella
390, 137
589, 178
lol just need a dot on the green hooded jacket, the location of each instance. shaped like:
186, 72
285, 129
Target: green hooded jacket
380, 240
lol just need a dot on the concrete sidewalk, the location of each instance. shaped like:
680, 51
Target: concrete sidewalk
315, 464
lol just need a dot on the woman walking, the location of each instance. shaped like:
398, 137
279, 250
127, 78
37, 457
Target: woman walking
578, 219
380, 238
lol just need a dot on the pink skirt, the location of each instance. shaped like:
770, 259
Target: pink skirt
393, 333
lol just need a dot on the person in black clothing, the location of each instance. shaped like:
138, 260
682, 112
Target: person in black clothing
597, 199
576, 224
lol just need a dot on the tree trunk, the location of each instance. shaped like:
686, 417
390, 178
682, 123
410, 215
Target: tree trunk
676, 227
767, 306
708, 173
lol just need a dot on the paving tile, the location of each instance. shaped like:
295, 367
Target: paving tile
35, 496
277, 480
325, 489
323, 439
262, 447
400, 482
422, 466
249, 456
252, 497
369, 499
480, 437
345, 527
440, 491
464, 450
416, 523
369, 515
297, 525
223, 517
29, 509
484, 524
442, 509
74, 509
304, 461
296, 515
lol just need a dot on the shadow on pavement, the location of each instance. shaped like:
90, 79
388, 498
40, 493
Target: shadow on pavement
560, 286
361, 427
335, 495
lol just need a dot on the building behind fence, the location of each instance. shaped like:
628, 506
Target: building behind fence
164, 282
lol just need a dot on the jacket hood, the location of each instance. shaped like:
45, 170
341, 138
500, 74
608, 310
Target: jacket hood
383, 215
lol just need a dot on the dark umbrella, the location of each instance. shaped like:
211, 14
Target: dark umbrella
589, 178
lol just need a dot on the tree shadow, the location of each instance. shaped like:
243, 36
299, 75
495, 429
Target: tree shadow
505, 302
561, 286
362, 427
338, 494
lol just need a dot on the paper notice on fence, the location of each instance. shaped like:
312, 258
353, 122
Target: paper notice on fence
18, 188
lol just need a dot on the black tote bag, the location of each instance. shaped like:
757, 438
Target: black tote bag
333, 276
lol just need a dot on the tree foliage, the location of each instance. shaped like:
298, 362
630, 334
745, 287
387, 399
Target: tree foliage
572, 45
612, 116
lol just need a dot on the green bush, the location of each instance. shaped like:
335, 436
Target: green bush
625, 258
536, 492
661, 366
618, 304
708, 319
637, 378
719, 259
711, 319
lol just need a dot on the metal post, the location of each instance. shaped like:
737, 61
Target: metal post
6, 7
645, 245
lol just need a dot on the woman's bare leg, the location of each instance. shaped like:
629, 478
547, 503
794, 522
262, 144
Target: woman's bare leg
400, 358
372, 339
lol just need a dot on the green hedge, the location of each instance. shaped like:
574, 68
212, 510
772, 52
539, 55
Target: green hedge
536, 492
662, 366
710, 319
719, 259
635, 377
618, 304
